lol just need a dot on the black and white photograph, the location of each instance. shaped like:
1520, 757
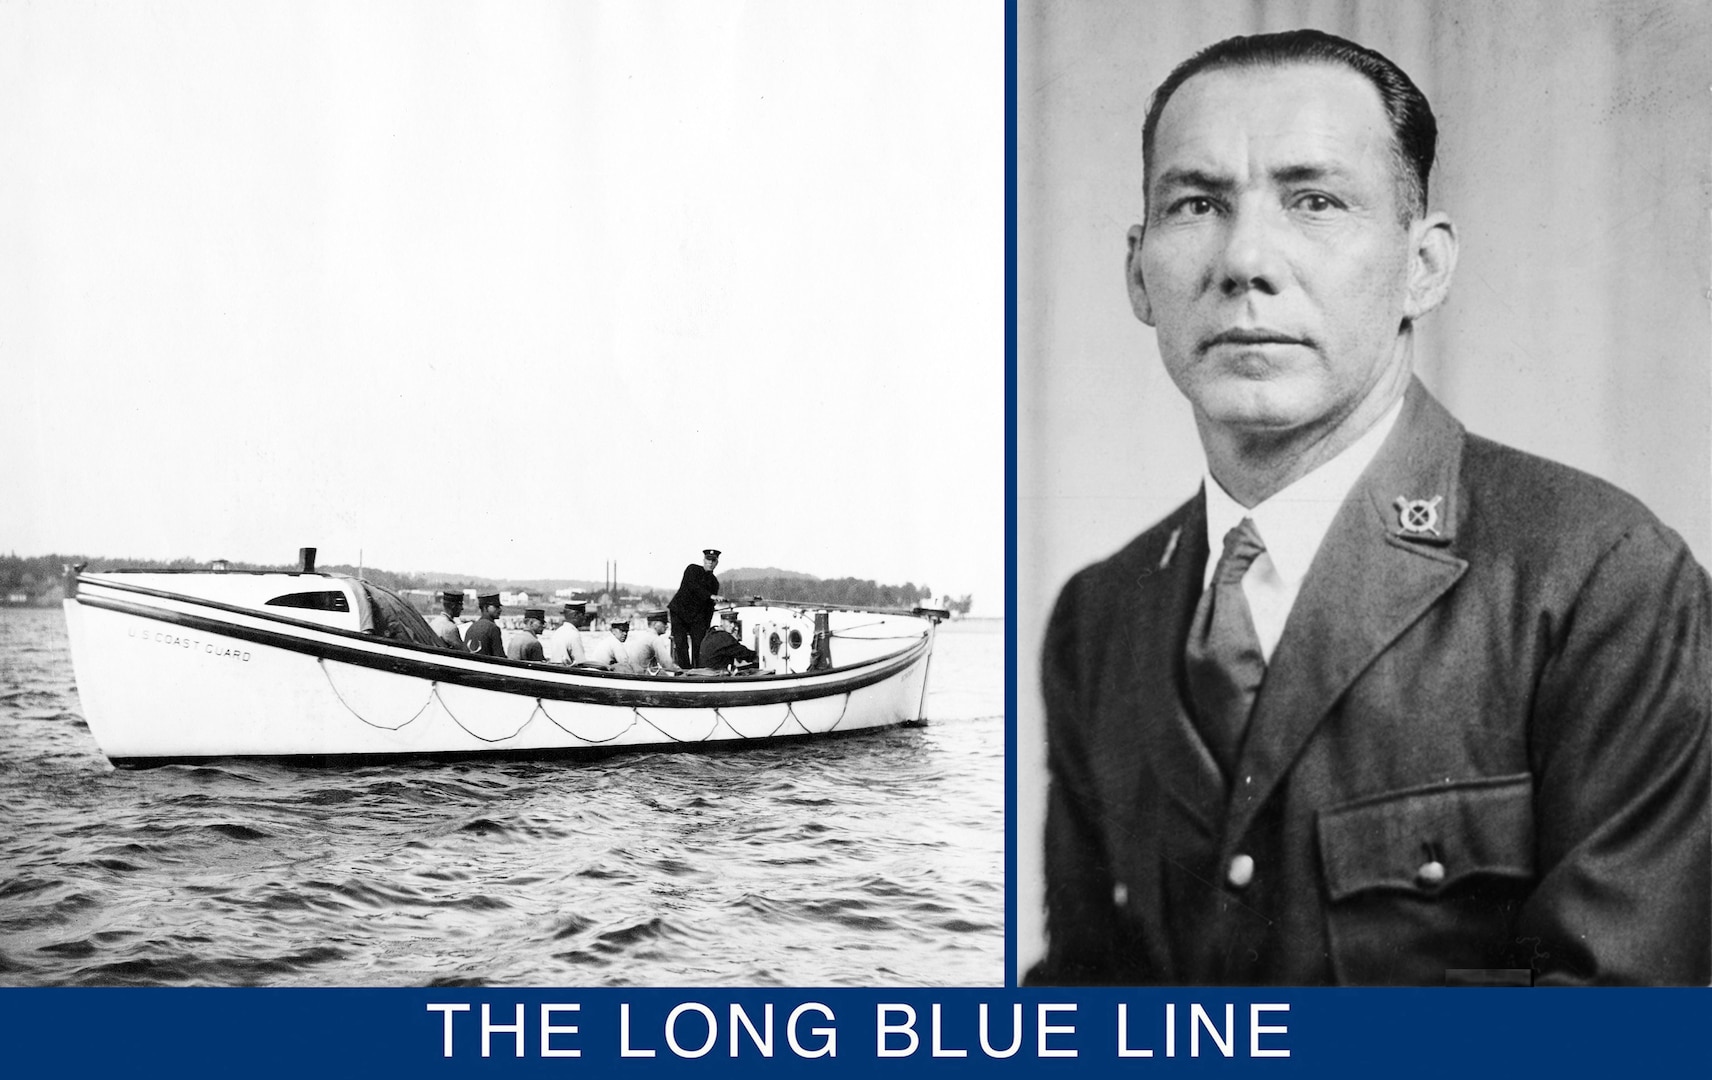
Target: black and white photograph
504, 495
1362, 506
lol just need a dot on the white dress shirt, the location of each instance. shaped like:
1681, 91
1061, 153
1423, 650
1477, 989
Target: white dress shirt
1292, 524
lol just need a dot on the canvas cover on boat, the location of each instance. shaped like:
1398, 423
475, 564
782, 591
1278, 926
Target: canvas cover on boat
386, 614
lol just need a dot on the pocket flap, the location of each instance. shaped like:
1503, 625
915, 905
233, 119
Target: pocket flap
1423, 840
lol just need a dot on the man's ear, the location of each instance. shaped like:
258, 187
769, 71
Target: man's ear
1132, 276
1432, 262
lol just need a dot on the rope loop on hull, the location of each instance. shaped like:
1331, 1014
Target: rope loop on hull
476, 735
321, 662
540, 708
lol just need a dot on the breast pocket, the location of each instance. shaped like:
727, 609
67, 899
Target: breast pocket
1422, 881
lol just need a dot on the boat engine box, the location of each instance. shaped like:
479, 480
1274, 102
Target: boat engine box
783, 645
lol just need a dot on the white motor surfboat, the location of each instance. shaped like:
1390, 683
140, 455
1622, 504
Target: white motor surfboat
176, 665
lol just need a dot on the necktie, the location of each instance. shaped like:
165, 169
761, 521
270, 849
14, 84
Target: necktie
1223, 660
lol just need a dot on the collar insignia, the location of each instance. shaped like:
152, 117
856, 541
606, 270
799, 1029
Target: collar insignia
1170, 548
1419, 517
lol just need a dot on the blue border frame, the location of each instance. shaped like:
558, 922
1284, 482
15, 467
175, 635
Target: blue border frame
1010, 225
1397, 1034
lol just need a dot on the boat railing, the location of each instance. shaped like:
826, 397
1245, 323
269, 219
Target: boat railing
919, 612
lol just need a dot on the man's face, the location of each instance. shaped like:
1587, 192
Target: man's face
534, 626
1274, 263
710, 563
621, 632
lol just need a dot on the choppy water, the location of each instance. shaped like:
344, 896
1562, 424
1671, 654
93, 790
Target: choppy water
872, 860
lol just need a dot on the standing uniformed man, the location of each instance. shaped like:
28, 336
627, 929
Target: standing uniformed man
692, 609
484, 638
525, 644
445, 623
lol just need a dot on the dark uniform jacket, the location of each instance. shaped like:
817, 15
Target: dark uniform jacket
1478, 745
691, 610
484, 638
720, 650
693, 602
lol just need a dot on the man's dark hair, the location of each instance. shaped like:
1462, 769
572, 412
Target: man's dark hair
1414, 131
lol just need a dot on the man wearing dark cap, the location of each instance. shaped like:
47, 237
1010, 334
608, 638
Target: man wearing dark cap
525, 644
692, 608
721, 649
610, 652
445, 623
564, 645
484, 638
648, 649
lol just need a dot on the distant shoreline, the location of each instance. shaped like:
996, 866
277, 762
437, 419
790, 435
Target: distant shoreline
38, 581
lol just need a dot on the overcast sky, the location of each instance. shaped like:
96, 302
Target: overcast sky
507, 289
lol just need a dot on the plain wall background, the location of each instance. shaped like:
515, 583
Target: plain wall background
1573, 157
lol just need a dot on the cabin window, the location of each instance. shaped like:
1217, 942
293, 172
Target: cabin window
326, 600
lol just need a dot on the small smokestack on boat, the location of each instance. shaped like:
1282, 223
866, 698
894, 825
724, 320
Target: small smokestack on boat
306, 559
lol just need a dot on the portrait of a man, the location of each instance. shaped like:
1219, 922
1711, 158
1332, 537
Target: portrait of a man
1381, 700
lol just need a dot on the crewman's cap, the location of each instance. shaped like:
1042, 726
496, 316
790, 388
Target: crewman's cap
621, 626
710, 553
534, 613
455, 598
656, 616
728, 615
574, 606
488, 598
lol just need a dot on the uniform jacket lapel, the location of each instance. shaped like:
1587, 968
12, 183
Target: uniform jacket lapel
1169, 587
1371, 580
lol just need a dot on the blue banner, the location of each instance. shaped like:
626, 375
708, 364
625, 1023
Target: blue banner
259, 1033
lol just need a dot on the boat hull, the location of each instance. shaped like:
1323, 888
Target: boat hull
164, 677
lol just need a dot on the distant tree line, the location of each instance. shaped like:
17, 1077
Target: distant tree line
852, 592
41, 575
39, 580
386, 579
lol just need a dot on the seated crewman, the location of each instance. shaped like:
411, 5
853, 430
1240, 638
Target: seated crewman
610, 652
565, 644
525, 644
445, 624
720, 649
650, 651
483, 637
